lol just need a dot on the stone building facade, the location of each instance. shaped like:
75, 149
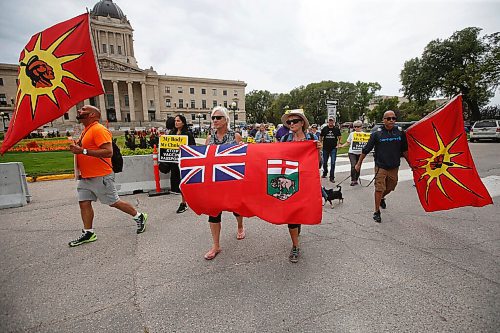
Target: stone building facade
135, 96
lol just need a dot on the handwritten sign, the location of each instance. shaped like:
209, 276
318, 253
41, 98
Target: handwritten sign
359, 140
169, 149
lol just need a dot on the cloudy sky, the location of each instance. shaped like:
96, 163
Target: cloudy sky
275, 45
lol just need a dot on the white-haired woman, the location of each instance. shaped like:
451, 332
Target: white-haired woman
356, 144
221, 134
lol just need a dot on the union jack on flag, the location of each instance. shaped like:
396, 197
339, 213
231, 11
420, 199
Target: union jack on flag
212, 163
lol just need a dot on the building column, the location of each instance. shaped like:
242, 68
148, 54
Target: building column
144, 102
117, 101
102, 107
72, 113
107, 42
86, 101
131, 105
157, 102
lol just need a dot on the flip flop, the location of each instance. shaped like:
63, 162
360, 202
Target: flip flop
240, 235
212, 254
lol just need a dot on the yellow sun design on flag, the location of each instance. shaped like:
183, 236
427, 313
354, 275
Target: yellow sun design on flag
439, 164
41, 72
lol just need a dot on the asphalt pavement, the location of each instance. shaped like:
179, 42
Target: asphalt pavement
414, 272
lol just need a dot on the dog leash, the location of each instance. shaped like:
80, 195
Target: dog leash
343, 180
371, 181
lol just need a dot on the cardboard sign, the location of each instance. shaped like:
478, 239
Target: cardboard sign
359, 140
169, 147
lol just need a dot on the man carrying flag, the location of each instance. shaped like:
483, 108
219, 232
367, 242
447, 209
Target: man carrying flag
389, 143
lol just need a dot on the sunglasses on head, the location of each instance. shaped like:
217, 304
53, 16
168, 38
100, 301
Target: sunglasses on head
293, 121
217, 117
390, 118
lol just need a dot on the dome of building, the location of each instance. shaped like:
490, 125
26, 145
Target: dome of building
108, 8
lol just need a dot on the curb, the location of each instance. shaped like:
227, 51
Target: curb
51, 177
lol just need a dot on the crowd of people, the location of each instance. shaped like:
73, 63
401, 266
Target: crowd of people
93, 151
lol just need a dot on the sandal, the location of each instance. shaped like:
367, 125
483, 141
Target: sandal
212, 254
240, 235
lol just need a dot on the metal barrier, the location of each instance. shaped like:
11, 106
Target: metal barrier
138, 176
13, 186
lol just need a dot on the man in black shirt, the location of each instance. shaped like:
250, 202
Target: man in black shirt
390, 143
330, 137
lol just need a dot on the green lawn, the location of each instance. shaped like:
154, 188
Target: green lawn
42, 163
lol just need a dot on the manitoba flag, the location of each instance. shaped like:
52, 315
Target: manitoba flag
443, 169
278, 182
57, 69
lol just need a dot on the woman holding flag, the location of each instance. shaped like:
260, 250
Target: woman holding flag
221, 134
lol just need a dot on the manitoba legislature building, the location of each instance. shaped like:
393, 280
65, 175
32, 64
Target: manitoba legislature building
135, 96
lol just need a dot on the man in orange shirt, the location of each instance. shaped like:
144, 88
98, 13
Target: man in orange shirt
97, 181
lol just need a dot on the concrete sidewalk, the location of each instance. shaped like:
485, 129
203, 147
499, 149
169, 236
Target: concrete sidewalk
415, 272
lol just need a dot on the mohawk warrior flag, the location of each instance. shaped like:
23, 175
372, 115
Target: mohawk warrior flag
57, 70
278, 182
443, 169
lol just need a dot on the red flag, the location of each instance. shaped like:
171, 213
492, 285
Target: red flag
57, 70
278, 182
443, 169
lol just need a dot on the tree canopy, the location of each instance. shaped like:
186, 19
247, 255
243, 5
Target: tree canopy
463, 63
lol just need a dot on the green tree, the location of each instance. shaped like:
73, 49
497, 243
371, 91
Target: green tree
257, 105
383, 105
464, 63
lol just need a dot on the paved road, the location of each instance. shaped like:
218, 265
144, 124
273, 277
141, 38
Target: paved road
417, 271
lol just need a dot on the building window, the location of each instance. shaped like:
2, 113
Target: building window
235, 116
214, 104
214, 92
203, 91
3, 100
1, 81
151, 103
93, 101
66, 116
191, 91
204, 104
112, 49
225, 104
126, 100
204, 117
193, 116
119, 49
224, 92
179, 90
167, 89
181, 103
104, 48
110, 98
235, 92
193, 104
168, 103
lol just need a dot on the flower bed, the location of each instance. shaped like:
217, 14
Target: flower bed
41, 145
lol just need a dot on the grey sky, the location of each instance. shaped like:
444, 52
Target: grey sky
272, 45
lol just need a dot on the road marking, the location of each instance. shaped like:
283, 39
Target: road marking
403, 175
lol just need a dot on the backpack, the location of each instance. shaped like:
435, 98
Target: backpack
117, 158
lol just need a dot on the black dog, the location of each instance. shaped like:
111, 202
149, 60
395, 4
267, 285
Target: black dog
332, 195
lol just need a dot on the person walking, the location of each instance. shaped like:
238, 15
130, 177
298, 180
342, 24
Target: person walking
298, 124
221, 135
390, 144
330, 137
181, 128
355, 146
93, 153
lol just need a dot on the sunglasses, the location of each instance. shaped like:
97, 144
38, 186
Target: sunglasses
390, 118
217, 117
293, 121
357, 126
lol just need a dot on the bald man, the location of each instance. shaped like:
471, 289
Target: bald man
93, 151
390, 144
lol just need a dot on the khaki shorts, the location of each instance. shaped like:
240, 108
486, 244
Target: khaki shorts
386, 180
102, 188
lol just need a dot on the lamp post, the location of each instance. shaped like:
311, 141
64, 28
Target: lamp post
199, 116
233, 107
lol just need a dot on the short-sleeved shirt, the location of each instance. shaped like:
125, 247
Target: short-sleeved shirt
330, 137
358, 142
228, 138
92, 138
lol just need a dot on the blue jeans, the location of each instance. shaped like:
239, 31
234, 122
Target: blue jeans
326, 155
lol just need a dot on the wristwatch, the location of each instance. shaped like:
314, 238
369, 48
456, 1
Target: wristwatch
85, 152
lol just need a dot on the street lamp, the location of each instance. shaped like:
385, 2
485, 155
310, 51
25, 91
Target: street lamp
233, 107
199, 116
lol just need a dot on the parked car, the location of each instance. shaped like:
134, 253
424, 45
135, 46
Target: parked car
488, 129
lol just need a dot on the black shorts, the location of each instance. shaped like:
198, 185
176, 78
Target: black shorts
218, 218
293, 226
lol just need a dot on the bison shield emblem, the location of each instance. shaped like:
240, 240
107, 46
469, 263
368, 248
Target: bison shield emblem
282, 178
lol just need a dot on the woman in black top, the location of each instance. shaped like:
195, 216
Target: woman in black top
181, 128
